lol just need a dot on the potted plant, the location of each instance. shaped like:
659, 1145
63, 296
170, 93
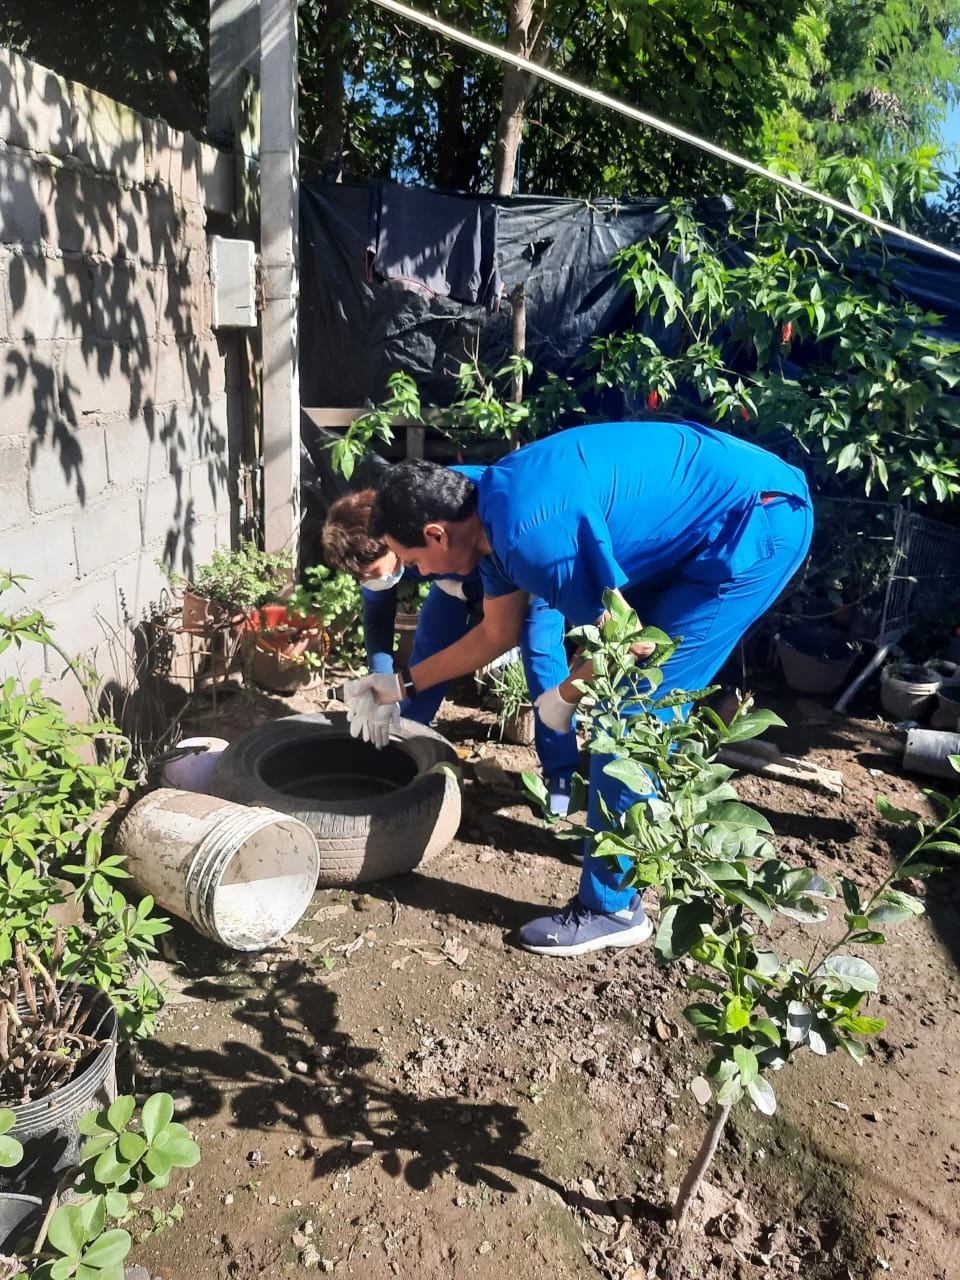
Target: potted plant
515, 715
58, 1041
286, 646
233, 583
410, 596
815, 659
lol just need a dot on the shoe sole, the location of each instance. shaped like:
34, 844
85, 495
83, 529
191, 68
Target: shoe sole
628, 938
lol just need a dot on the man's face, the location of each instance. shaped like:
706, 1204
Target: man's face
445, 550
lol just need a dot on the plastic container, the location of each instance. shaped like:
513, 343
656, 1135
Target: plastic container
947, 714
241, 875
927, 750
20, 1218
47, 1127
816, 659
907, 692
193, 772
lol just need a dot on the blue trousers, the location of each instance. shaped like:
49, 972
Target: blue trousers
711, 618
444, 619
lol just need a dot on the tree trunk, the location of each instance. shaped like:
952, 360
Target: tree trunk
450, 142
516, 90
333, 36
701, 1162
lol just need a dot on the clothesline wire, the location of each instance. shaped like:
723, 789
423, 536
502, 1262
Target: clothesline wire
663, 126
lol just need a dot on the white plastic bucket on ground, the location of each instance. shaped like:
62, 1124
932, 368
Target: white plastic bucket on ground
242, 875
194, 771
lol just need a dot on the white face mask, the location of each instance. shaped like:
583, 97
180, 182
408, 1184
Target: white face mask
385, 582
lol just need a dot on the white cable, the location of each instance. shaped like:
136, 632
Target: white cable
592, 95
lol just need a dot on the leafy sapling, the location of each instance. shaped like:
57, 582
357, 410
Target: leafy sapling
721, 883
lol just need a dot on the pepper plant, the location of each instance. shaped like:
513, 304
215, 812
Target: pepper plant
721, 883
782, 322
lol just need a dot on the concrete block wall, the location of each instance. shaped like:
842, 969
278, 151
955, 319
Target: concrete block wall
115, 442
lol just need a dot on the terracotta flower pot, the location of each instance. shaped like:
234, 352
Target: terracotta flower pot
201, 616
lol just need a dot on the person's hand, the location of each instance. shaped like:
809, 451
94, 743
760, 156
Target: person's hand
371, 721
555, 711
384, 686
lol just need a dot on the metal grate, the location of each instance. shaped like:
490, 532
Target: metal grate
924, 571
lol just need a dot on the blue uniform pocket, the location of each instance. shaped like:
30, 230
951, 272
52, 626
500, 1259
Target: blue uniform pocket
735, 545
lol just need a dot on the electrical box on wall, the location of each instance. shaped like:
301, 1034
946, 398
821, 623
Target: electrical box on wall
233, 274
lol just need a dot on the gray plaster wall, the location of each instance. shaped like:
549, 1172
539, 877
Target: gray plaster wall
115, 451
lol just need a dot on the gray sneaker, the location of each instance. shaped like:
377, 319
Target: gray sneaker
576, 930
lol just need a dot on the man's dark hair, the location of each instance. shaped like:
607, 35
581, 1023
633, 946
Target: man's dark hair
415, 493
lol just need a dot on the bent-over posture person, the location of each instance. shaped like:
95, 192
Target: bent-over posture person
699, 531
453, 606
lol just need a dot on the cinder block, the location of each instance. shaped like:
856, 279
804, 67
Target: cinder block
22, 220
212, 360
45, 553
150, 225
95, 379
163, 155
107, 135
124, 303
67, 468
107, 531
35, 111
142, 587
165, 510
209, 489
14, 508
198, 431
28, 389
181, 308
84, 619
137, 453
168, 373
84, 211
47, 298
191, 176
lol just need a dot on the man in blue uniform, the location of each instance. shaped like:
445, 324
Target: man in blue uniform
699, 531
453, 605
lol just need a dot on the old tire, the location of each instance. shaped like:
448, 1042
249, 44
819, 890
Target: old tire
374, 813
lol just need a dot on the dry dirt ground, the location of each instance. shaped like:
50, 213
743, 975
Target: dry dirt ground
396, 1091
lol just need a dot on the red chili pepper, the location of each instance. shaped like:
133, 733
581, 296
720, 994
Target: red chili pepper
787, 332
744, 414
653, 399
460, 457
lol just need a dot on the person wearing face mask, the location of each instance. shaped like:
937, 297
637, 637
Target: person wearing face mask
453, 606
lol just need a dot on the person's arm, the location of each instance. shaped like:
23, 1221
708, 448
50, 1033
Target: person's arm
497, 631
379, 616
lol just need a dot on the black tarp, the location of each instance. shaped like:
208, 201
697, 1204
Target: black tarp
355, 332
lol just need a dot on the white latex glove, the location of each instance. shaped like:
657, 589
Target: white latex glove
381, 726
555, 711
383, 685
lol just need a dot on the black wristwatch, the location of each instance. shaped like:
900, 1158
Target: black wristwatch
406, 683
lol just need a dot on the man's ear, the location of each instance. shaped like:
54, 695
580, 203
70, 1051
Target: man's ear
435, 532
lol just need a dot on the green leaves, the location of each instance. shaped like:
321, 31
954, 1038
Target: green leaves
852, 972
157, 1114
681, 927
11, 1152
